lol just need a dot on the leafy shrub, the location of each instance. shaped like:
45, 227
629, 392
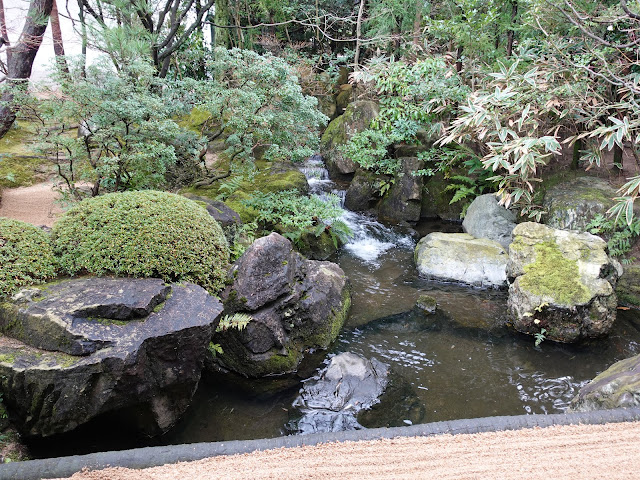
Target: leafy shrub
297, 215
142, 234
25, 255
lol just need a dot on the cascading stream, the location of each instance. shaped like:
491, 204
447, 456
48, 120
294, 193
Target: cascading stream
370, 238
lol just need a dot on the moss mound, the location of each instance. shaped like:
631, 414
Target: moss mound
25, 255
142, 234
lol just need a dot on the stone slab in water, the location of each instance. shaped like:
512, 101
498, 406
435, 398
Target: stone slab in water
331, 401
150, 366
459, 257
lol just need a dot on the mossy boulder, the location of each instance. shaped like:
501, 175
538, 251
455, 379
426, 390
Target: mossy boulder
356, 118
364, 190
76, 349
436, 200
295, 305
616, 387
562, 282
573, 204
458, 257
403, 201
26, 256
628, 286
343, 97
142, 234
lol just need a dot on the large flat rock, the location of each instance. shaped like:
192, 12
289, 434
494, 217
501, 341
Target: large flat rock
459, 257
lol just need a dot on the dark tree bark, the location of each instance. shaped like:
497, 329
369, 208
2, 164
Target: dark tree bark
20, 63
4, 36
58, 45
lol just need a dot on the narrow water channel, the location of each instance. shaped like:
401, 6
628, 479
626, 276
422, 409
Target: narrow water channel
462, 362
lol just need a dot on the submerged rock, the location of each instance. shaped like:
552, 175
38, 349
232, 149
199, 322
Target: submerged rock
331, 401
572, 205
458, 257
562, 282
486, 218
427, 304
80, 348
295, 305
618, 386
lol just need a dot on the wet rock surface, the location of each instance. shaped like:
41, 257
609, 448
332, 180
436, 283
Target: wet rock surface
331, 401
562, 282
295, 305
459, 257
403, 203
618, 386
80, 348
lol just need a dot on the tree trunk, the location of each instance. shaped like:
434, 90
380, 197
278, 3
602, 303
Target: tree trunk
22, 56
58, 45
4, 36
356, 57
417, 21
511, 32
83, 32
222, 18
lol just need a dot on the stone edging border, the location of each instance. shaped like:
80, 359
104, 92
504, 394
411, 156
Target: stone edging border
155, 456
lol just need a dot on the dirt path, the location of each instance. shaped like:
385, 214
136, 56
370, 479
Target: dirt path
35, 204
576, 451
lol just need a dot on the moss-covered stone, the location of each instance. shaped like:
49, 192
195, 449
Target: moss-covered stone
427, 304
552, 274
436, 200
616, 387
356, 118
561, 282
271, 177
628, 287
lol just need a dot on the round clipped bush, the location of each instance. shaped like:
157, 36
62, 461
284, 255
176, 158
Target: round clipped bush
142, 234
26, 257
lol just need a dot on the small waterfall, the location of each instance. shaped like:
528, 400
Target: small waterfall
370, 238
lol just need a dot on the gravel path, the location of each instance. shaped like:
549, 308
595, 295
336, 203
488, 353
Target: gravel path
573, 452
35, 204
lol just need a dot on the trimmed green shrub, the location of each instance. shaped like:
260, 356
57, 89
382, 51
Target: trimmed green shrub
142, 234
26, 257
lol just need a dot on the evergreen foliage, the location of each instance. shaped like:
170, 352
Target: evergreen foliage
142, 234
25, 255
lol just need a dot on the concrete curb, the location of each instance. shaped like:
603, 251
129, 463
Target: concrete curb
154, 456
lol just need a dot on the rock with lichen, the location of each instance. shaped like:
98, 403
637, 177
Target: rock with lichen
617, 387
355, 119
573, 204
561, 282
76, 349
295, 305
460, 258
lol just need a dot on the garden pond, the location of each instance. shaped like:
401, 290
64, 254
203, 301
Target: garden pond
462, 362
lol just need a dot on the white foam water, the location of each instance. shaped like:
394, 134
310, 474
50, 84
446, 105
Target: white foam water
370, 238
